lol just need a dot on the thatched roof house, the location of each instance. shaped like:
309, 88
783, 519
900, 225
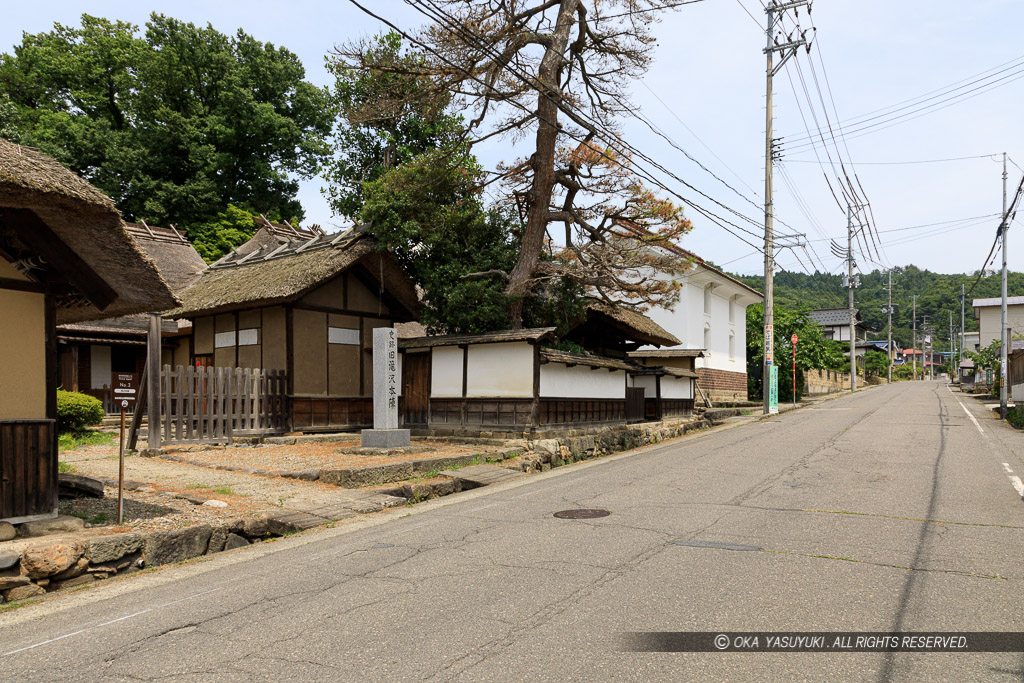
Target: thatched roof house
65, 257
60, 230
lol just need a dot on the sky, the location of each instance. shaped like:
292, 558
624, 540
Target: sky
706, 92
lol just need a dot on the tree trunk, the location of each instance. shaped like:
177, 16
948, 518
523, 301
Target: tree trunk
549, 77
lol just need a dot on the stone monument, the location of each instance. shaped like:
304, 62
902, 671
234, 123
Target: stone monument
386, 382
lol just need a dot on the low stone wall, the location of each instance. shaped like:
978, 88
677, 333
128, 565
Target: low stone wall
722, 385
817, 382
49, 566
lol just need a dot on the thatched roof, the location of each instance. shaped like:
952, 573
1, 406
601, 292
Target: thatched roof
532, 335
49, 213
667, 353
279, 274
636, 326
553, 356
177, 260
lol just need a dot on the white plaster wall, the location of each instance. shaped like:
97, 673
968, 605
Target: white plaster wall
990, 319
676, 387
647, 382
100, 373
688, 321
500, 370
562, 381
446, 372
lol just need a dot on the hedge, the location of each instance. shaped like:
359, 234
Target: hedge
77, 411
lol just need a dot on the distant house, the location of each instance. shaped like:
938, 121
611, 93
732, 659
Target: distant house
306, 305
989, 315
835, 324
90, 352
971, 341
65, 258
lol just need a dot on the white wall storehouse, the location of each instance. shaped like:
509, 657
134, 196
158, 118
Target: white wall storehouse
989, 313
712, 315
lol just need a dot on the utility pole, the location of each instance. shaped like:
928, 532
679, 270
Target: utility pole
914, 347
853, 312
950, 365
786, 49
960, 359
888, 309
1004, 331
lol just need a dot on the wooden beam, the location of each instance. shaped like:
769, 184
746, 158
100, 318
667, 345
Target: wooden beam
62, 259
22, 285
153, 349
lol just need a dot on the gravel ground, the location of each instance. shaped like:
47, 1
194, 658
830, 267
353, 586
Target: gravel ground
154, 506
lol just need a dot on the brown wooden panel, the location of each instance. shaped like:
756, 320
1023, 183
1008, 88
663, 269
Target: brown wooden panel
28, 469
416, 388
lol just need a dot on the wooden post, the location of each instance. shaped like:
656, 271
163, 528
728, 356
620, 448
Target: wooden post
138, 409
153, 344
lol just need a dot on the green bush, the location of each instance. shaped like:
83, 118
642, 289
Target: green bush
1015, 416
77, 411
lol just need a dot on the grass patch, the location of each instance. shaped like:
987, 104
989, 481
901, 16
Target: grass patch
66, 468
225, 491
1015, 416
68, 441
197, 486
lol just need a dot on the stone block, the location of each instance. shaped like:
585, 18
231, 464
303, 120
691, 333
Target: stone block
367, 476
78, 486
71, 583
386, 438
9, 558
7, 531
71, 572
24, 592
547, 445
39, 561
235, 541
58, 525
256, 527
165, 547
10, 580
110, 548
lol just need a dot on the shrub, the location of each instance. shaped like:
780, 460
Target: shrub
1015, 416
77, 411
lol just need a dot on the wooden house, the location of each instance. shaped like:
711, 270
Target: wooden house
89, 352
307, 306
65, 257
518, 382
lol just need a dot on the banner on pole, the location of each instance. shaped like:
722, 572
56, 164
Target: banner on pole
769, 343
773, 389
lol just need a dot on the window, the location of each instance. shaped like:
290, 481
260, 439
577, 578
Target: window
732, 311
224, 339
707, 300
342, 335
248, 337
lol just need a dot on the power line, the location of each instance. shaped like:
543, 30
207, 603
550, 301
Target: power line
900, 163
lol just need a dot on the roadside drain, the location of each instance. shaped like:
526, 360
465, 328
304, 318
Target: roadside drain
581, 513
719, 545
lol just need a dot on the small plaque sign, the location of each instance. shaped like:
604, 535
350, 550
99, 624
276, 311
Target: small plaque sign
126, 387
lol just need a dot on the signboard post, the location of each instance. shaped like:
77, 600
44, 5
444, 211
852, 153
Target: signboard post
773, 389
793, 339
126, 390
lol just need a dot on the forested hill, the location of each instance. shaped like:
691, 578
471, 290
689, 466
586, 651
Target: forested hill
937, 295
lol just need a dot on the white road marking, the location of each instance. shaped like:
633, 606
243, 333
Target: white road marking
980, 430
1006, 466
1018, 485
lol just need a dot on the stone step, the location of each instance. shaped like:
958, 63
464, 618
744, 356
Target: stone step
482, 475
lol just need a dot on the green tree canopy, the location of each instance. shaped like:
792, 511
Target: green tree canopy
390, 114
174, 124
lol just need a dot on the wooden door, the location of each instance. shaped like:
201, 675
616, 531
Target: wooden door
416, 388
28, 470
634, 404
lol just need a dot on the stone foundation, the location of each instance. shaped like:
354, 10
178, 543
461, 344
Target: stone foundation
722, 385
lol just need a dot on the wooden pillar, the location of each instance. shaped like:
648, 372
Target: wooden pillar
153, 347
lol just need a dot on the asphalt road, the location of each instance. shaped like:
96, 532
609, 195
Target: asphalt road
889, 510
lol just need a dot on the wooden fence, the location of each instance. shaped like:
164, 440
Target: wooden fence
212, 405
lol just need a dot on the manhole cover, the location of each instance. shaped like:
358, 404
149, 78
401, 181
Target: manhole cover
719, 545
581, 513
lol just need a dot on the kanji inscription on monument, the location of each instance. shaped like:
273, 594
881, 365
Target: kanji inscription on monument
386, 382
